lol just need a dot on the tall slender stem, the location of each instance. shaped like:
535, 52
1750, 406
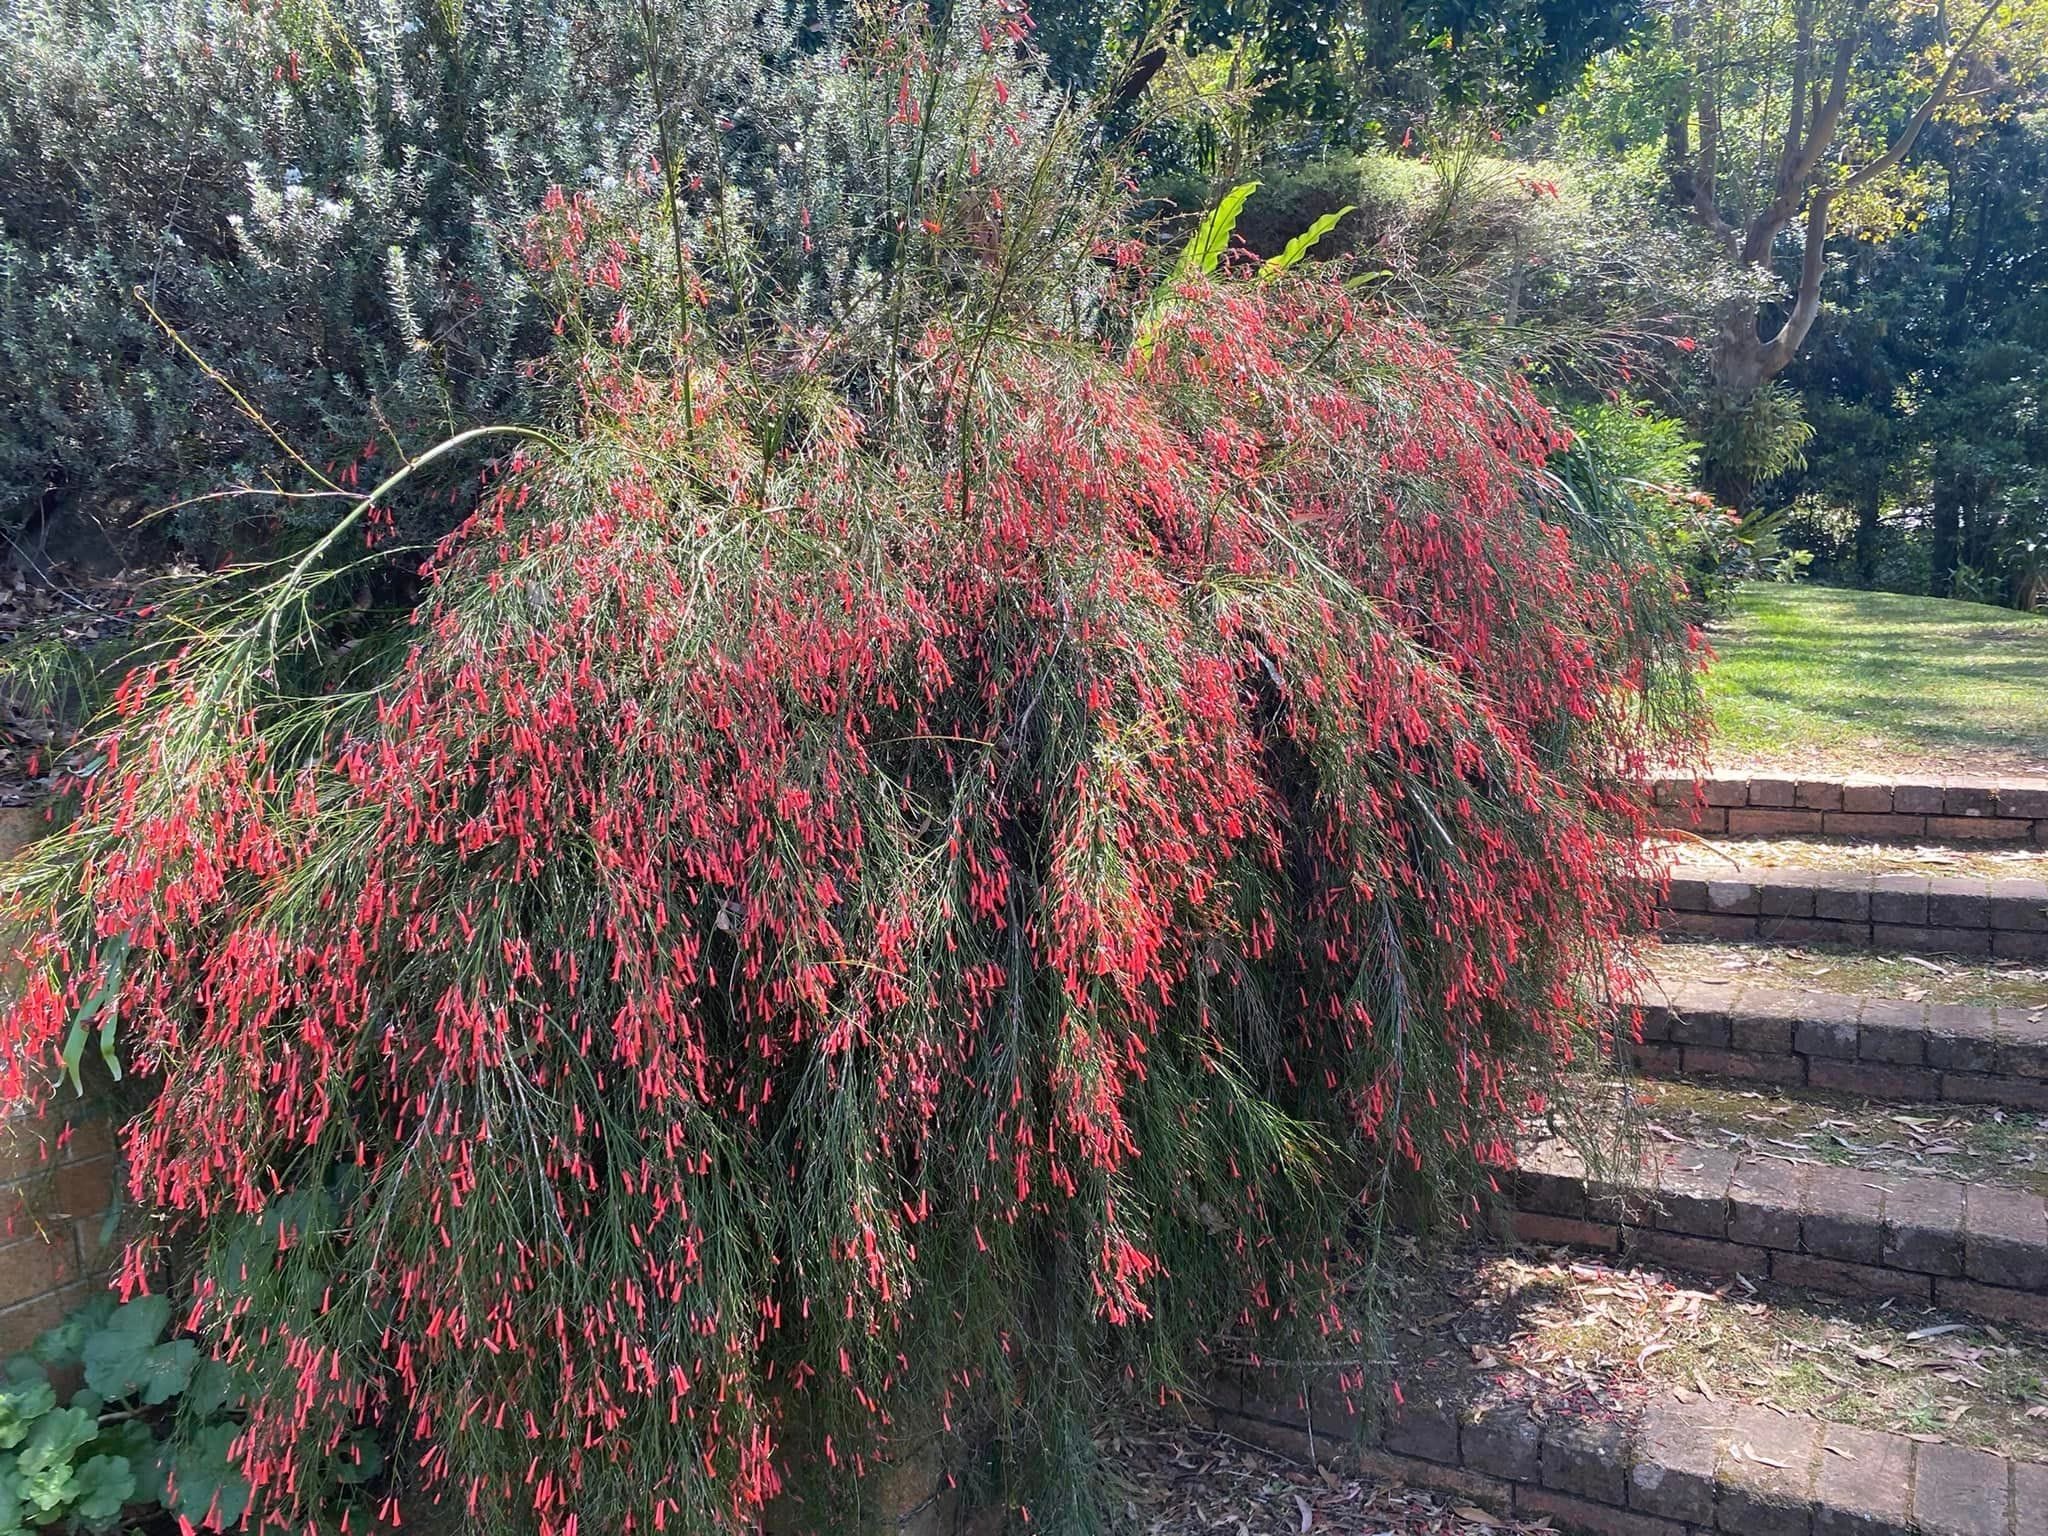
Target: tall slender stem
669, 171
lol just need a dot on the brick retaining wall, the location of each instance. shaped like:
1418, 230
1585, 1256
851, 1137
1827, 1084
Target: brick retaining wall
55, 1190
1664, 1469
1957, 915
1760, 805
1977, 1248
1881, 1047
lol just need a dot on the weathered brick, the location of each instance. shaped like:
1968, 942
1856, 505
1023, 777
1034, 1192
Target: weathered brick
1785, 895
90, 1139
1700, 1026
1844, 1210
1811, 930
1734, 898
1654, 1060
1842, 898
1628, 1204
1961, 1038
1917, 798
1958, 903
1898, 899
1673, 1470
1923, 1225
1772, 791
1694, 818
1726, 792
1744, 1066
37, 1264
1866, 796
1847, 1279
2027, 1308
2019, 946
81, 1189
1865, 1483
2005, 1237
1767, 1489
1829, 1028
1588, 1457
2024, 1051
2023, 797
1424, 1429
1934, 941
1551, 1178
1708, 925
1820, 794
1692, 1193
1854, 824
1576, 1514
1980, 829
1545, 1231
1702, 1255
1764, 1202
1774, 823
1873, 1079
1686, 893
2015, 1092
1969, 797
1655, 1019
1504, 1443
1893, 1030
1762, 1021
2029, 1496
19, 1325
2019, 905
1961, 1492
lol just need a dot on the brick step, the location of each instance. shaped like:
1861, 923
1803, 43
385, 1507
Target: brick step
1880, 1047
1665, 1468
1954, 915
1768, 805
1972, 1248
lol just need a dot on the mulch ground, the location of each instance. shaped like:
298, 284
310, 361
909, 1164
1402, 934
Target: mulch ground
78, 608
1184, 1481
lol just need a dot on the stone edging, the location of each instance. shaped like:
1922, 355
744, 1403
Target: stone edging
1881, 1047
1975, 1248
1675, 1469
1775, 805
1958, 915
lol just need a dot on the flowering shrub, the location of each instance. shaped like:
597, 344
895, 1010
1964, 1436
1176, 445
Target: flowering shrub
916, 863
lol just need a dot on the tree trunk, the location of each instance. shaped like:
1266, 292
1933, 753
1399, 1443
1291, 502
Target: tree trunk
1948, 516
1737, 361
1866, 535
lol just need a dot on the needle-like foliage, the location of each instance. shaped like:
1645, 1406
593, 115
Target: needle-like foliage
917, 863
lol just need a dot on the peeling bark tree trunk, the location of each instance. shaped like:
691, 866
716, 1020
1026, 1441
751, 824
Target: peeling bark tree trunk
1804, 182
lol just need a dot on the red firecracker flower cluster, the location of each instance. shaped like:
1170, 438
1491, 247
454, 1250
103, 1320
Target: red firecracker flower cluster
838, 926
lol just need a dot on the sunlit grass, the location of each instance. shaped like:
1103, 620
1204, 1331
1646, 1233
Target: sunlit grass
1832, 680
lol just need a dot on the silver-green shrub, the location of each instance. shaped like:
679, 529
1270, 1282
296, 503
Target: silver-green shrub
316, 195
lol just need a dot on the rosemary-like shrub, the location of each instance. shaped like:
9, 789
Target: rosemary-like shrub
959, 827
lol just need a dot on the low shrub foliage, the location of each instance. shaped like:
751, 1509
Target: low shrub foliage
916, 864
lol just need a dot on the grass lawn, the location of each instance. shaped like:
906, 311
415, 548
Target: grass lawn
1839, 681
